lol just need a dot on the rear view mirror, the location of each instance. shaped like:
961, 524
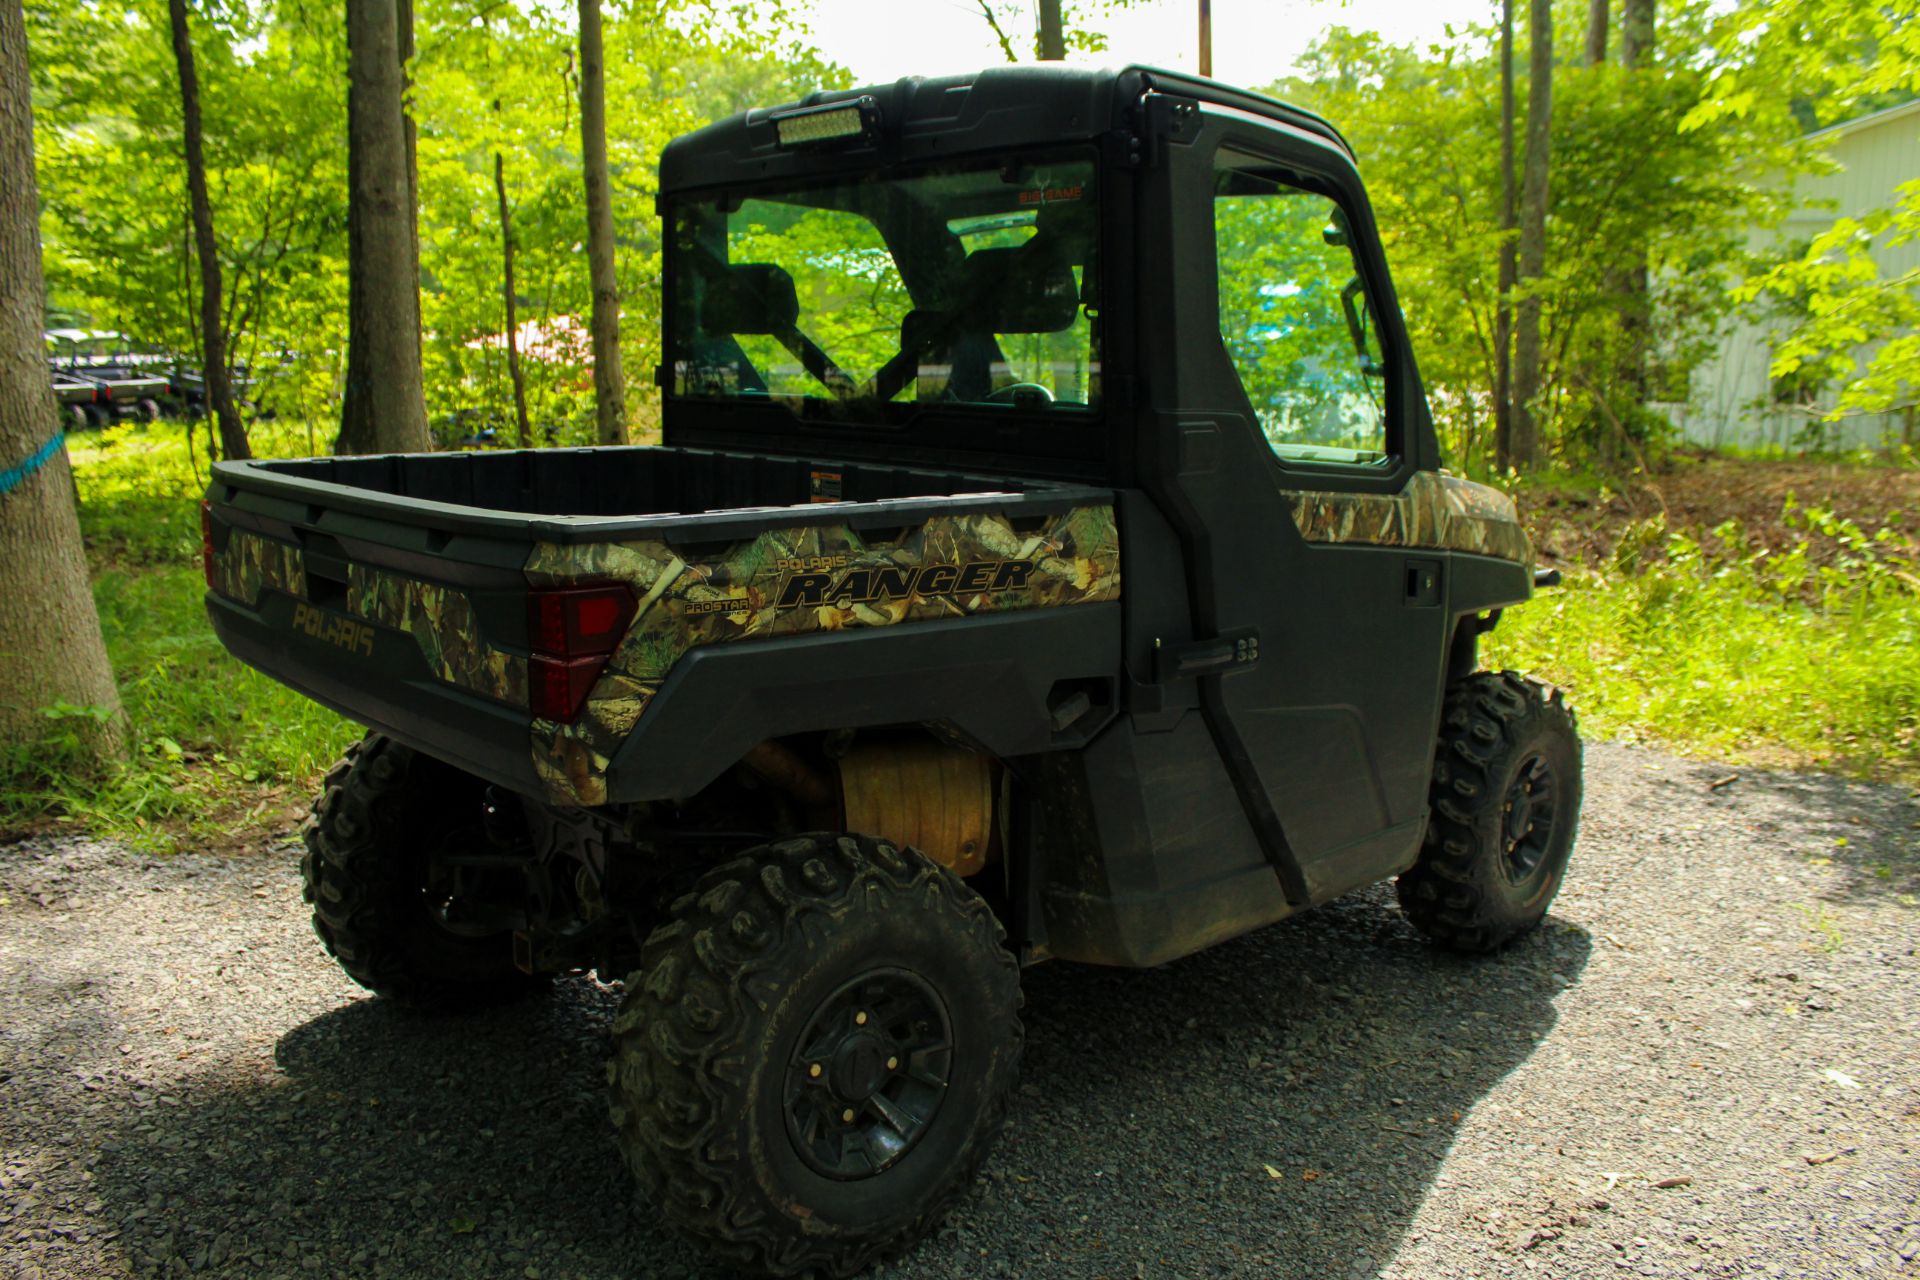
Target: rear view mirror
1335, 232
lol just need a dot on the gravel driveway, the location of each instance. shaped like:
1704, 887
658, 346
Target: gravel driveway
1708, 1062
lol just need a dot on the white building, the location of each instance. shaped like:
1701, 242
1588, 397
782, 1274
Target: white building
1733, 396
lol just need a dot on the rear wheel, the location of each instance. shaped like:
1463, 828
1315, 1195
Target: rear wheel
380, 906
1506, 803
816, 1054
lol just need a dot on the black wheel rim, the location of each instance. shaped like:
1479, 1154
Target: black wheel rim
1527, 826
868, 1074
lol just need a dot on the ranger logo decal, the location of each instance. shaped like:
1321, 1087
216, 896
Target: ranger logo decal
815, 588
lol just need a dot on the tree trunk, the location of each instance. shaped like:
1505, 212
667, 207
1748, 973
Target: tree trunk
513, 320
1053, 34
1206, 37
213, 337
50, 647
609, 386
1629, 284
1636, 32
1503, 315
1533, 233
403, 39
1596, 32
384, 409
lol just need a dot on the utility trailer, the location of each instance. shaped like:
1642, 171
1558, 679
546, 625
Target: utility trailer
127, 384
1049, 556
79, 401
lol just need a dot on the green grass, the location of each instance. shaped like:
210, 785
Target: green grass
1807, 657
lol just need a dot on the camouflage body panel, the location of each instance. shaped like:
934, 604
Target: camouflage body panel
1441, 512
251, 564
797, 581
440, 619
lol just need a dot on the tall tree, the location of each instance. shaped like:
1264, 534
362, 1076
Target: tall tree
384, 409
1058, 25
1596, 32
506, 289
609, 386
1630, 282
1509, 230
1527, 347
50, 647
213, 336
1636, 32
1053, 33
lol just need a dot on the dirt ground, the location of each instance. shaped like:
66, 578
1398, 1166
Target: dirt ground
1704, 1064
1696, 492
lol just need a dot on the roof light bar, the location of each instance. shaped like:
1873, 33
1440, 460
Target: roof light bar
829, 124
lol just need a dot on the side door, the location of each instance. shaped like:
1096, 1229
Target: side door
1286, 432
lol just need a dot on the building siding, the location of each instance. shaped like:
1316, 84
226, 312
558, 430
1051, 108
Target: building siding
1731, 392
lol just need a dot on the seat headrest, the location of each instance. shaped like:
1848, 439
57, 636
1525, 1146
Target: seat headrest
1019, 290
749, 297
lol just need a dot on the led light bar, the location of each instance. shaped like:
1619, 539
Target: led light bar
834, 122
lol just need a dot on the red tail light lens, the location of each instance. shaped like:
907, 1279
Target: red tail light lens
573, 632
558, 690
206, 542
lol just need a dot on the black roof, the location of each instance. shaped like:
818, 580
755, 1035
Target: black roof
927, 118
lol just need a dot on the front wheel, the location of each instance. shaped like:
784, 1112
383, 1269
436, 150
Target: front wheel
816, 1054
1505, 806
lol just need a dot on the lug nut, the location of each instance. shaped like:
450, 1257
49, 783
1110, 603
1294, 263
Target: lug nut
860, 1019
814, 1071
847, 1115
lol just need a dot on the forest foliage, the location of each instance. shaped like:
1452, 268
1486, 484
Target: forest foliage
487, 78
1677, 164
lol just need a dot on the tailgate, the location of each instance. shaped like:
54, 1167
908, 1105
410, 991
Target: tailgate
417, 632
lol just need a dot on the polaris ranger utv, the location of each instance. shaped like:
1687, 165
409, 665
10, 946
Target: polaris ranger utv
1048, 555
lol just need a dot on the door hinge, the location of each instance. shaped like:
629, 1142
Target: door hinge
1229, 653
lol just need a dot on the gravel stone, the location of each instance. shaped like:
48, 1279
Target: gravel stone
1706, 1063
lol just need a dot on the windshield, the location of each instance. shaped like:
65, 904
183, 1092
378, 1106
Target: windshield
870, 296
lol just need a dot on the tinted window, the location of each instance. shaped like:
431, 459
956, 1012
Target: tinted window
1295, 316
961, 285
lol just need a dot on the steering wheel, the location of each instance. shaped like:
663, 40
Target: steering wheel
1019, 392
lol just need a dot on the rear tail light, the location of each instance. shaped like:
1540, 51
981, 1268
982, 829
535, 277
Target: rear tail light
573, 632
206, 542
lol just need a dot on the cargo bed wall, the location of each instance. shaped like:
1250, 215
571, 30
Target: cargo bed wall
637, 481
408, 612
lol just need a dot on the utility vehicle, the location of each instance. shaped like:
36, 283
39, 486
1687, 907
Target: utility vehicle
1048, 556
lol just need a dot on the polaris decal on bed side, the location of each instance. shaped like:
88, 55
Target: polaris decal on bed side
438, 618
797, 581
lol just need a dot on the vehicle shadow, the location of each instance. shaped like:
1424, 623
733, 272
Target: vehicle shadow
1269, 1105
